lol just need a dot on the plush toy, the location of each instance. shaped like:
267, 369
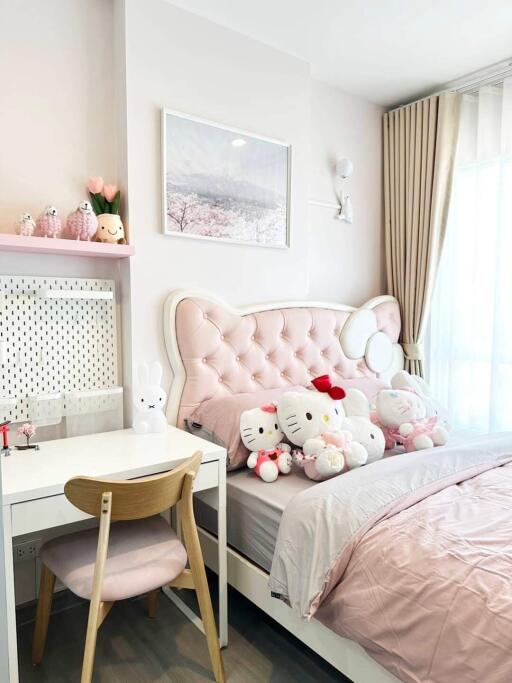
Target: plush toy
312, 421
404, 380
268, 464
49, 224
262, 435
25, 226
306, 415
82, 223
149, 400
402, 414
358, 422
330, 454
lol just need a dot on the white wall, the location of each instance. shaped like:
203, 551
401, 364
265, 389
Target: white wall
56, 114
83, 82
346, 261
178, 60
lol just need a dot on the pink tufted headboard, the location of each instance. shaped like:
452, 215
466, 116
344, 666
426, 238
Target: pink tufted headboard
217, 350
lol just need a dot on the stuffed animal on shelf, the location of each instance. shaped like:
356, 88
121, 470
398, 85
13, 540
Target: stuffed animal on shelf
330, 454
262, 435
48, 223
402, 415
26, 225
82, 223
149, 400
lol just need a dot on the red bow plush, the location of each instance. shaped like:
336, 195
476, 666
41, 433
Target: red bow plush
323, 384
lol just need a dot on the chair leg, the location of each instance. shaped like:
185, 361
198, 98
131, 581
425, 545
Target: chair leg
44, 606
152, 603
195, 558
206, 609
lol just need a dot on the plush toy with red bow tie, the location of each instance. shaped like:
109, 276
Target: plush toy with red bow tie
314, 422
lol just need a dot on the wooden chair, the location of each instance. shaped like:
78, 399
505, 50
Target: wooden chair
138, 555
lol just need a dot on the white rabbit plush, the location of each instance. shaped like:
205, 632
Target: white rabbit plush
149, 400
262, 435
358, 422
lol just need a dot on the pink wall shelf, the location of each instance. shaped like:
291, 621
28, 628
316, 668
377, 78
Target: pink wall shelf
47, 245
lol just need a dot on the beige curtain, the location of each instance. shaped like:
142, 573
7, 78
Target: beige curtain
419, 150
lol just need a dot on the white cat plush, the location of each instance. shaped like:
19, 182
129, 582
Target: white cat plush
307, 415
312, 421
403, 416
262, 435
149, 400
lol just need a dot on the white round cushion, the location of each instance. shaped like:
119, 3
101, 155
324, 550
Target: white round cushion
379, 352
360, 326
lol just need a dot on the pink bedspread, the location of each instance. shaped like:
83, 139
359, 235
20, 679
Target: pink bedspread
425, 587
428, 592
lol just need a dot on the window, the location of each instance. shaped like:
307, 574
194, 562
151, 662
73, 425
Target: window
470, 354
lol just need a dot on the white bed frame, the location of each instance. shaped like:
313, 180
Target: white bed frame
343, 654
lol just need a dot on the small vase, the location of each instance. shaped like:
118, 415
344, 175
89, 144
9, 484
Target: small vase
110, 229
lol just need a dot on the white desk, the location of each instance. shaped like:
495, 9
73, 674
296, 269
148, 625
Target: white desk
33, 495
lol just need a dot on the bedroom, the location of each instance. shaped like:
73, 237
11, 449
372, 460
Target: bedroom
417, 100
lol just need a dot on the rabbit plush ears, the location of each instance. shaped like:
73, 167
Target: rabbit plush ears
150, 374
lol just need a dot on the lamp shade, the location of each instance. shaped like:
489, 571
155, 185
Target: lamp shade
344, 168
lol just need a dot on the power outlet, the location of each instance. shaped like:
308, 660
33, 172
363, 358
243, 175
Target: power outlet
28, 550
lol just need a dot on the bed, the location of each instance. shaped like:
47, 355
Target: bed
351, 566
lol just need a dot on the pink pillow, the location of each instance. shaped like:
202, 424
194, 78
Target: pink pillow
218, 420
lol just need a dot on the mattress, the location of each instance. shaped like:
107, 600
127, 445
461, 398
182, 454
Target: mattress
254, 510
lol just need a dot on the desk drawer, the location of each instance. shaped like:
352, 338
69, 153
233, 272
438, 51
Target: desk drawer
46, 513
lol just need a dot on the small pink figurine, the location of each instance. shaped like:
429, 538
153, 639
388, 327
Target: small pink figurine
49, 224
25, 226
82, 223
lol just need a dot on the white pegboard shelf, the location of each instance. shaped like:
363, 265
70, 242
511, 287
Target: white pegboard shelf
47, 245
58, 346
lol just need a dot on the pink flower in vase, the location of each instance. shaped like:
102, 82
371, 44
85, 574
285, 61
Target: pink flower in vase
109, 192
95, 185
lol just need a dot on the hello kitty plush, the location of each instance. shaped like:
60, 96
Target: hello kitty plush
312, 421
149, 400
330, 454
402, 413
262, 435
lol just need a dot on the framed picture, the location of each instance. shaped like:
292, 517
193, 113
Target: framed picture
224, 184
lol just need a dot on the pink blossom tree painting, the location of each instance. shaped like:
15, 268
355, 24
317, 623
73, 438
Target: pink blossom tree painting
223, 184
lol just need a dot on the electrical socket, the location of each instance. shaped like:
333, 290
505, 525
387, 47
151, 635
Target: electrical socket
28, 550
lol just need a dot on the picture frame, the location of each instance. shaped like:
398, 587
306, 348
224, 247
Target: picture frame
224, 184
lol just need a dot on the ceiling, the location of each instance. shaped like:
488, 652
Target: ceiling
387, 51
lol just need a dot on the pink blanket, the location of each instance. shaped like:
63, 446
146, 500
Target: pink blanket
422, 576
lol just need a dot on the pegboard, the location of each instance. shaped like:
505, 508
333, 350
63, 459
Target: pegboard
50, 346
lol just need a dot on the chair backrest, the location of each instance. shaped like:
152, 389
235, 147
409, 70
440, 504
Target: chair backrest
133, 499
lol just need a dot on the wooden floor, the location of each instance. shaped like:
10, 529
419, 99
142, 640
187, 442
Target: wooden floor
135, 649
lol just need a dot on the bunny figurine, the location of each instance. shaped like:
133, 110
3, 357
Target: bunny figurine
149, 400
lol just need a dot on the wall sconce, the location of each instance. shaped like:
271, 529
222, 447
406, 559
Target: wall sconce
344, 169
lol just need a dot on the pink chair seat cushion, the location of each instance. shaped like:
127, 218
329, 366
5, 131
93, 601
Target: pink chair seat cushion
142, 555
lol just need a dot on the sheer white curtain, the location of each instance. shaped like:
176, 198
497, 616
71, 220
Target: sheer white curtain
470, 354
